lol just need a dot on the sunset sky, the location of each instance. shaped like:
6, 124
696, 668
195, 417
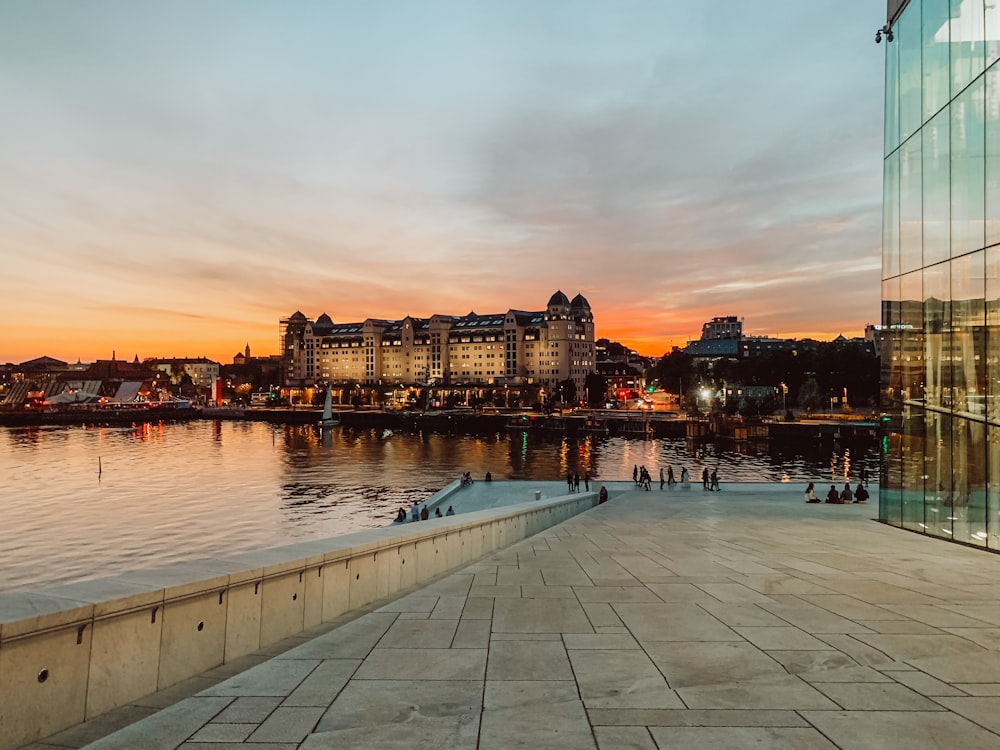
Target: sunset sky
177, 176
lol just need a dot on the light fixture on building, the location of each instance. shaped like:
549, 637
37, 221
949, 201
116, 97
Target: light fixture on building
887, 30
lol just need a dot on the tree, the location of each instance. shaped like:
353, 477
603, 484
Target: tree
810, 397
567, 391
597, 388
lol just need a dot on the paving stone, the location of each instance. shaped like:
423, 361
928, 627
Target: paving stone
694, 718
288, 724
544, 717
449, 608
876, 697
740, 738
278, 677
741, 615
601, 614
786, 638
826, 666
602, 641
248, 710
472, 634
539, 616
621, 679
984, 711
426, 664
533, 591
166, 729
351, 641
478, 608
217, 732
401, 714
615, 594
624, 738
323, 683
410, 634
528, 660
891, 730
681, 621
925, 684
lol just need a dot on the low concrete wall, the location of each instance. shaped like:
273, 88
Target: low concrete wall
70, 653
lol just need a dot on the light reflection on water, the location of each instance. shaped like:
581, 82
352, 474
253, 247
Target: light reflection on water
85, 502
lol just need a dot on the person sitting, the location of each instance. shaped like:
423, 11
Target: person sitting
833, 496
450, 511
861, 494
602, 496
811, 494
401, 516
437, 513
489, 477
847, 496
424, 513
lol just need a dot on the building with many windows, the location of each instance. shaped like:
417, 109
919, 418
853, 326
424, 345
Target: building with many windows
941, 270
508, 348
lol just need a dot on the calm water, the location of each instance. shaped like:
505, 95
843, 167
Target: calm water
86, 502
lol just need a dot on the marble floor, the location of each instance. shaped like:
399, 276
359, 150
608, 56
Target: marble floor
737, 619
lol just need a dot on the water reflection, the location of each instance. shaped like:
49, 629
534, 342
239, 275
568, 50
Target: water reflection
170, 492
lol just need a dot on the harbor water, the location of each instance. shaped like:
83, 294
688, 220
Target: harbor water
89, 502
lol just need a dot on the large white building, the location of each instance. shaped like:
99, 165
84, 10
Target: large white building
511, 348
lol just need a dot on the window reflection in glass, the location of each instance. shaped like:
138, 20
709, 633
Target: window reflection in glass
967, 165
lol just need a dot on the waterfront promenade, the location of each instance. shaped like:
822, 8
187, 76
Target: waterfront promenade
738, 619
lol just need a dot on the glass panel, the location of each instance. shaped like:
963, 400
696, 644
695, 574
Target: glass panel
992, 135
890, 493
911, 327
937, 352
938, 490
907, 36
890, 351
967, 162
910, 206
993, 487
968, 333
911, 457
891, 97
937, 57
992, 33
937, 195
890, 216
993, 335
969, 509
967, 49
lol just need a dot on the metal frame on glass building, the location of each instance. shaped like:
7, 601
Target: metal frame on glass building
941, 270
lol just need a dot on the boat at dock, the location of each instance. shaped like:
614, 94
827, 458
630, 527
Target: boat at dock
328, 421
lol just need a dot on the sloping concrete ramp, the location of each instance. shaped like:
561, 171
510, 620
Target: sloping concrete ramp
737, 619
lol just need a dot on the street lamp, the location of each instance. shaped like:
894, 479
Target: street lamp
705, 393
784, 390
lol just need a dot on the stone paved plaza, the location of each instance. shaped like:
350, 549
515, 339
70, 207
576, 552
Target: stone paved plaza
738, 619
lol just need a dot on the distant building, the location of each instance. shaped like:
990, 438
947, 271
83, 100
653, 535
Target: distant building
727, 327
507, 348
203, 371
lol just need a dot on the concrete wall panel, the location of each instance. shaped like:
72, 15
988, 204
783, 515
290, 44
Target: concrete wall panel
281, 607
243, 620
363, 580
124, 658
43, 682
336, 589
312, 611
194, 637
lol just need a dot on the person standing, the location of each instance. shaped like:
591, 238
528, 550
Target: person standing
635, 474
415, 512
864, 475
715, 481
685, 478
576, 482
424, 513
569, 481
704, 478
670, 477
586, 481
661, 479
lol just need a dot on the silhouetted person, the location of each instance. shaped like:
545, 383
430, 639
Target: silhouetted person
602, 496
437, 513
715, 481
424, 513
861, 494
489, 477
704, 478
450, 511
811, 494
833, 496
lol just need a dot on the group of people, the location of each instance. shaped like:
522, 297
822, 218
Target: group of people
642, 478
839, 497
422, 514
573, 481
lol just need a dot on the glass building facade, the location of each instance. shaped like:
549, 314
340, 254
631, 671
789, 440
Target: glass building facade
941, 271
